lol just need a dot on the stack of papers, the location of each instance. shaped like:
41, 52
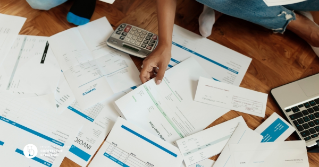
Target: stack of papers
130, 146
92, 69
281, 2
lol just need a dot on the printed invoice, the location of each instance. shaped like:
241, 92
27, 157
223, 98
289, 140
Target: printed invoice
169, 110
93, 133
30, 68
92, 69
33, 120
231, 97
207, 143
221, 63
130, 146
9, 30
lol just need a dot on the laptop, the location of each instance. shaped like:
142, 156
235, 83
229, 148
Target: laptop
299, 101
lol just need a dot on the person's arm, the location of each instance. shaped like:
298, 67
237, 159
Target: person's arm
161, 56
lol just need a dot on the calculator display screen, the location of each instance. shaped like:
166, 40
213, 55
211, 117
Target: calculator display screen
131, 48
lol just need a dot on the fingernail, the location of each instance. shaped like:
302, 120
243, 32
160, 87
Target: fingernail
158, 82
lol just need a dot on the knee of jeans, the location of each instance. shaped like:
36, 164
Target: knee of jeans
217, 4
45, 4
287, 17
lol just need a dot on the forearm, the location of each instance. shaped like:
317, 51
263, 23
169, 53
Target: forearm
165, 15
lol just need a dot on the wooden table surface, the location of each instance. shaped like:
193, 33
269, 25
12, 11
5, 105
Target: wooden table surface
277, 59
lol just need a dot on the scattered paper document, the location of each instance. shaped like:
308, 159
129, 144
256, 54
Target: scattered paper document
36, 122
231, 97
281, 2
168, 110
130, 146
221, 63
108, 1
91, 137
30, 67
92, 69
9, 30
274, 154
207, 143
204, 163
242, 134
275, 128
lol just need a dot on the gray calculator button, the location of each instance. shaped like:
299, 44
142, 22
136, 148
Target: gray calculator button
152, 41
132, 32
133, 29
122, 25
147, 38
127, 39
129, 35
118, 32
124, 33
144, 32
138, 43
138, 30
140, 39
149, 34
134, 37
150, 44
145, 42
122, 37
143, 46
120, 29
132, 41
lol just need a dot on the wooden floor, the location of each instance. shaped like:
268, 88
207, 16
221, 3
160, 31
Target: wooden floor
277, 59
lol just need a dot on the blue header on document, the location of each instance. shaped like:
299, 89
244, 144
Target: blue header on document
35, 158
80, 153
80, 113
273, 131
206, 58
31, 131
115, 160
148, 140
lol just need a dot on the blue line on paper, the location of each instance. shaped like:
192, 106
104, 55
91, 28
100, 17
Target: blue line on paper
80, 113
170, 66
31, 131
206, 58
80, 153
115, 160
35, 158
133, 87
1, 143
148, 140
175, 61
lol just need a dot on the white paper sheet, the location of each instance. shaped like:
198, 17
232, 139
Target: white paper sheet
92, 69
108, 1
9, 30
63, 95
168, 110
281, 2
204, 163
241, 135
32, 120
128, 145
275, 128
231, 97
30, 67
274, 154
93, 134
221, 63
207, 143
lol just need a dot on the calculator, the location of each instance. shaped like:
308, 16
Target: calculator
133, 40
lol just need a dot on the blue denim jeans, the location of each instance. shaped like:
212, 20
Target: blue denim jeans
275, 18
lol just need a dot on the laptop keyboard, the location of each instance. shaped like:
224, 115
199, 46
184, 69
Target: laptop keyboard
305, 117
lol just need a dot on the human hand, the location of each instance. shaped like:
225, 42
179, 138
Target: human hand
155, 64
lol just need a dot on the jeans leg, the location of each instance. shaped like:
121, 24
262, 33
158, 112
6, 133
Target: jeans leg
309, 5
45, 4
275, 18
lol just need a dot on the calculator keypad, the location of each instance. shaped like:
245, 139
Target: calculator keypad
137, 37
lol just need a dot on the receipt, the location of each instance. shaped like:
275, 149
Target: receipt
207, 143
231, 97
